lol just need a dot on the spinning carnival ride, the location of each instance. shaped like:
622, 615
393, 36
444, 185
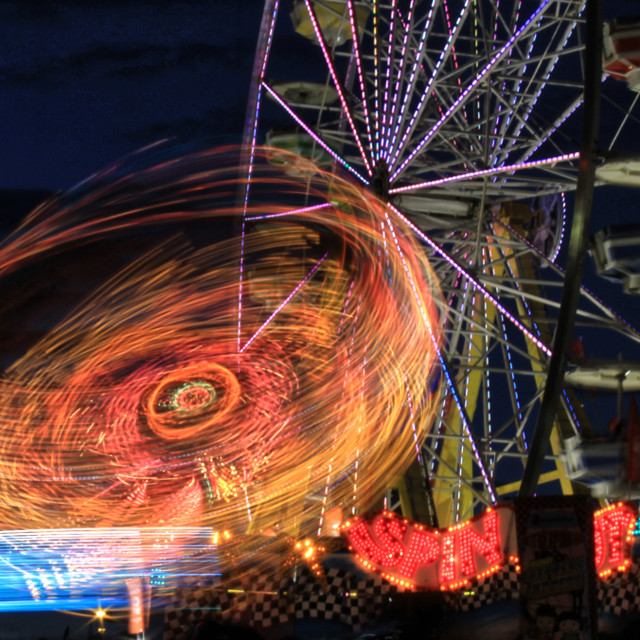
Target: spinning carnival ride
213, 393
465, 117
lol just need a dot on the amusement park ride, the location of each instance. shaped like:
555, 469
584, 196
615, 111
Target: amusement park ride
427, 155
465, 116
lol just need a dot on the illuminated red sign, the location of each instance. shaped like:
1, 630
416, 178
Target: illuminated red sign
613, 532
414, 555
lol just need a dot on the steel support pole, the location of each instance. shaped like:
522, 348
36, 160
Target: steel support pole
577, 249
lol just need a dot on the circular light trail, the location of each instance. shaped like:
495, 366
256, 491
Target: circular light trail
248, 383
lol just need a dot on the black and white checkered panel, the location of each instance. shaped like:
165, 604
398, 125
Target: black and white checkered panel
224, 601
176, 622
502, 585
371, 599
341, 597
185, 611
265, 602
272, 602
339, 584
236, 603
309, 599
620, 593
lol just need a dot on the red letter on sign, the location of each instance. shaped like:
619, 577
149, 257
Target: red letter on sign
423, 548
390, 533
487, 545
363, 542
448, 569
387, 550
612, 526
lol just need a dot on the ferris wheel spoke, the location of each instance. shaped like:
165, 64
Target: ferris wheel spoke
504, 141
486, 172
405, 75
463, 423
446, 476
288, 212
627, 115
466, 274
337, 84
312, 134
535, 88
388, 56
418, 112
463, 427
411, 82
526, 27
283, 304
361, 79
465, 112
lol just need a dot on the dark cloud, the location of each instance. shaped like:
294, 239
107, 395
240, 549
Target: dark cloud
223, 123
129, 60
83, 83
50, 9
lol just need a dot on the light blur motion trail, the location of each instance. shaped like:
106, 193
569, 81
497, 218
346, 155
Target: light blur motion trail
248, 384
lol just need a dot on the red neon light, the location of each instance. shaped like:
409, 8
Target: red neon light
448, 564
613, 537
470, 541
423, 549
412, 555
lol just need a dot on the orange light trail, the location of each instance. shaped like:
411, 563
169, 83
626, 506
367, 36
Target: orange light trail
136, 409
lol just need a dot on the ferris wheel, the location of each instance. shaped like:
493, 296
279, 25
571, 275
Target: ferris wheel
464, 116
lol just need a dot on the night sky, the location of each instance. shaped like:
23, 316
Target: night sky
84, 83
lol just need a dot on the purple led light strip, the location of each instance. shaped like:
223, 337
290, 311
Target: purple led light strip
387, 81
487, 377
517, 85
281, 306
549, 70
394, 114
516, 397
562, 228
568, 112
376, 92
465, 422
453, 49
442, 253
336, 82
414, 428
254, 133
313, 135
470, 348
568, 157
411, 83
472, 85
356, 53
292, 212
436, 346
426, 92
